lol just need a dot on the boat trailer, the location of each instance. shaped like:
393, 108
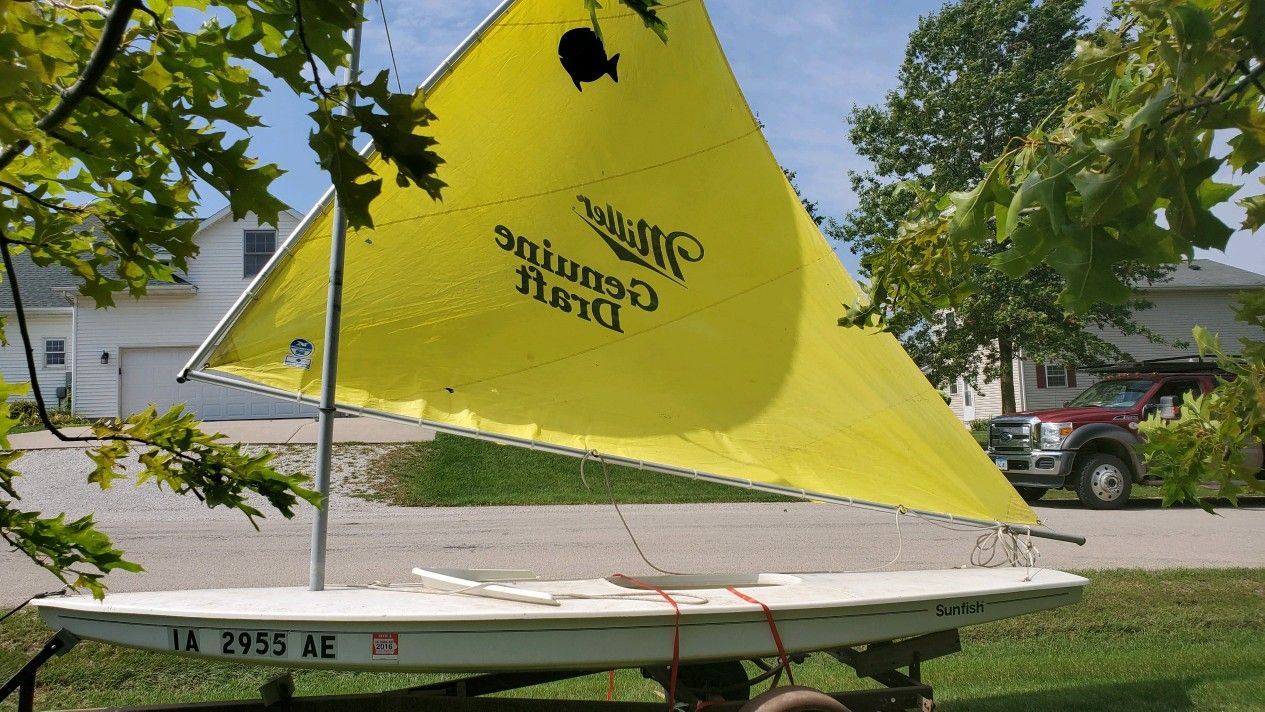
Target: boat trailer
718, 687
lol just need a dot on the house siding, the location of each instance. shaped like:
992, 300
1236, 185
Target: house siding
1050, 397
162, 318
41, 325
1174, 314
987, 400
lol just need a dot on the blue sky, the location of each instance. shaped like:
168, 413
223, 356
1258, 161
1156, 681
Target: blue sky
801, 63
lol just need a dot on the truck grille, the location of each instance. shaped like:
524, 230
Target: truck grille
1010, 436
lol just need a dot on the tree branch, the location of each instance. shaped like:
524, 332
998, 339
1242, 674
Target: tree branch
311, 58
1256, 81
107, 47
158, 21
96, 94
1249, 79
39, 201
76, 8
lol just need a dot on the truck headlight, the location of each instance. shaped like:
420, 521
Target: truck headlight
1053, 435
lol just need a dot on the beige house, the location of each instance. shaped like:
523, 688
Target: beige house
1202, 292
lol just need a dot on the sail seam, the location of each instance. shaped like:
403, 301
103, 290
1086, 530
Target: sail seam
755, 130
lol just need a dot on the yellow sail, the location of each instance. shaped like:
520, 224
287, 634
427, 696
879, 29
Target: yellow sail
617, 265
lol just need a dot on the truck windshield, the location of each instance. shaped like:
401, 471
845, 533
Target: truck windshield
1114, 394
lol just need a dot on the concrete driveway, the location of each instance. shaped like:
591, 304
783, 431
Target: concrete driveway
185, 545
286, 431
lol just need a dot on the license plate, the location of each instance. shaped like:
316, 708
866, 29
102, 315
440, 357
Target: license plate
266, 644
1000, 462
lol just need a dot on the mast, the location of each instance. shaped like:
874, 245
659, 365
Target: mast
329, 357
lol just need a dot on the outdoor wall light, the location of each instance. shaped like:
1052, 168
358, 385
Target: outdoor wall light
105, 357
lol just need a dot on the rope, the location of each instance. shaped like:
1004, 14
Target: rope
777, 637
1015, 552
676, 636
390, 48
998, 540
611, 493
47, 594
900, 548
1000, 546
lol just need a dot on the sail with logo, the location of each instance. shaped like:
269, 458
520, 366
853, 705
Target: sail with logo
618, 268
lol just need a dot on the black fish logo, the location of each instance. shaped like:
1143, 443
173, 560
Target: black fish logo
583, 56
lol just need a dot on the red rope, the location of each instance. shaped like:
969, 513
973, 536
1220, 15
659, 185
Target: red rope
610, 687
777, 637
676, 635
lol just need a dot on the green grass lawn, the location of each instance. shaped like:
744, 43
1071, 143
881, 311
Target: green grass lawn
1137, 492
15, 430
454, 471
1162, 640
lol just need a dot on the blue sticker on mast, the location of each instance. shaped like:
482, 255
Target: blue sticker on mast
300, 355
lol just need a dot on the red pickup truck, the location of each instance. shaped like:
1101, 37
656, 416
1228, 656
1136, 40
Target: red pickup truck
1091, 444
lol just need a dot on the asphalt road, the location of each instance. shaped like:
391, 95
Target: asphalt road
183, 545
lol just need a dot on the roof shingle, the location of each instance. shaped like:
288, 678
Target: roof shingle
1209, 274
38, 285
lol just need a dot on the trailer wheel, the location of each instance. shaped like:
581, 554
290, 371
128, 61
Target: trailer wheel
1103, 481
794, 699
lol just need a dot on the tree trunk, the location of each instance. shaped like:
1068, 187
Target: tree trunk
1006, 355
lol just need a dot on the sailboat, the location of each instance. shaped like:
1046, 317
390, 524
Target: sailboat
618, 271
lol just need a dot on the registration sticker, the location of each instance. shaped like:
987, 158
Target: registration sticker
386, 646
1000, 462
300, 355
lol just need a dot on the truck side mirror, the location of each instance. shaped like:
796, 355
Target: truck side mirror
1169, 410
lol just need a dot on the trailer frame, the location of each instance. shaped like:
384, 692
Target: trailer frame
881, 662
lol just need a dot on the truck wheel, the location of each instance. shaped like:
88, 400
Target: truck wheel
1103, 482
1030, 494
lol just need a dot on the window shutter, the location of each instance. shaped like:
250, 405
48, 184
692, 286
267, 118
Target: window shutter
1071, 376
1040, 375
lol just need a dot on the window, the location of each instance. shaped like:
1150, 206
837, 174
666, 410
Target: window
953, 387
54, 352
257, 247
1055, 376
1180, 390
968, 396
1120, 394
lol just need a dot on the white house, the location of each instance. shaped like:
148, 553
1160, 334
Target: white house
1202, 292
121, 359
50, 320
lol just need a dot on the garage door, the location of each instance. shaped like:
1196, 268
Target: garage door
148, 376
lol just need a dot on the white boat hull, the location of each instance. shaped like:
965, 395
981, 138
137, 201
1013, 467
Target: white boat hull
371, 629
